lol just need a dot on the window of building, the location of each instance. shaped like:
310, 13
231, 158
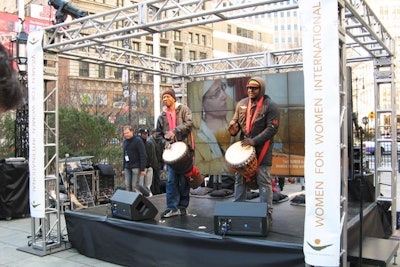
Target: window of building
190, 37
192, 55
239, 31
102, 71
163, 35
177, 35
295, 26
196, 38
289, 27
118, 97
86, 99
276, 27
244, 33
229, 47
178, 54
163, 51
259, 36
135, 46
282, 27
149, 78
203, 40
118, 73
229, 28
276, 40
100, 100
202, 55
149, 49
84, 69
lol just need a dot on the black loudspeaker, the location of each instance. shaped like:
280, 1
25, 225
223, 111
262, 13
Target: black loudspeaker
241, 218
354, 190
132, 206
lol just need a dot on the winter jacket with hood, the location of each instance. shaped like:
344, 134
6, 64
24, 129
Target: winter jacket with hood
265, 124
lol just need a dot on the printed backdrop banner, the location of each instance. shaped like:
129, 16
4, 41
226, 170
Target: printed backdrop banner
36, 124
322, 132
213, 104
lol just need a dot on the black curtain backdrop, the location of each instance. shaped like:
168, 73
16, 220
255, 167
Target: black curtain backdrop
131, 243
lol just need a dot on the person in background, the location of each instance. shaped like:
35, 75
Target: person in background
134, 162
11, 91
151, 161
175, 124
157, 161
257, 118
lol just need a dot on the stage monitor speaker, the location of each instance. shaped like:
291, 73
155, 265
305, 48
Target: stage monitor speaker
132, 206
241, 218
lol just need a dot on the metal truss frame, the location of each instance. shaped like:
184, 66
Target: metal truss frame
98, 39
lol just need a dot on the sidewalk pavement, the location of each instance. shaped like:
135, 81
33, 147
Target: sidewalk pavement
14, 234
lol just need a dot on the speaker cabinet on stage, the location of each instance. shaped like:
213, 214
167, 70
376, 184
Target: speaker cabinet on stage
368, 192
132, 206
241, 218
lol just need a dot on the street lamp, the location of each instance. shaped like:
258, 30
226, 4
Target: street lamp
18, 50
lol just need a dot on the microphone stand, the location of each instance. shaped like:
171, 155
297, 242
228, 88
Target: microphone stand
360, 133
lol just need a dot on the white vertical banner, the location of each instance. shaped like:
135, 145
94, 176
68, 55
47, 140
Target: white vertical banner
36, 124
322, 162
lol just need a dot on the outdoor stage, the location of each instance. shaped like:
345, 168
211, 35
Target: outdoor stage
190, 240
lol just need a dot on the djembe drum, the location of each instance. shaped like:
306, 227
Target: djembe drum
177, 156
243, 160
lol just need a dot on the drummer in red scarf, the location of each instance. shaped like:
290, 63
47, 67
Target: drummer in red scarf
175, 124
257, 119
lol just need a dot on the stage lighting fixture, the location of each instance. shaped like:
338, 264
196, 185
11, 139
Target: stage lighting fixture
64, 9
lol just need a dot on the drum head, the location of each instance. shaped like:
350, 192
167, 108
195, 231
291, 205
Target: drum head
237, 154
175, 152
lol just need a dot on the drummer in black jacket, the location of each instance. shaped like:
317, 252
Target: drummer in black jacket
175, 124
257, 118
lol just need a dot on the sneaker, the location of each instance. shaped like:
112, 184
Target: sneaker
170, 213
182, 211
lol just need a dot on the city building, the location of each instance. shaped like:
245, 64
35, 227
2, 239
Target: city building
98, 88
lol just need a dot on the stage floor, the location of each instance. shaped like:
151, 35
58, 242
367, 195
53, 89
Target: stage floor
288, 220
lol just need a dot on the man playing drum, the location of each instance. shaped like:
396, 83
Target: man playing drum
175, 124
257, 119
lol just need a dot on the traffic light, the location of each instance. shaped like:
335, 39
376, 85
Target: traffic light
371, 115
